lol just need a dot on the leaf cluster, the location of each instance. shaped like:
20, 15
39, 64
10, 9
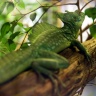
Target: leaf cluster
91, 13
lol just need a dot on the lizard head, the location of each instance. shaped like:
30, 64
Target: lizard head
73, 20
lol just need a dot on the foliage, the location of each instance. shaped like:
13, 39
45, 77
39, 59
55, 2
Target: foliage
12, 29
91, 13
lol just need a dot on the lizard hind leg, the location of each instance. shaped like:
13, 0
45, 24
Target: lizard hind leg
42, 71
48, 67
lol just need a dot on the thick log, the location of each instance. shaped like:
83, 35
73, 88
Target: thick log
76, 76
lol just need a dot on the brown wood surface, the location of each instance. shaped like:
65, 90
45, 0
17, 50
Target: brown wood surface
74, 77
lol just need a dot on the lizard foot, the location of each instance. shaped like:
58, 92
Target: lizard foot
57, 89
52, 76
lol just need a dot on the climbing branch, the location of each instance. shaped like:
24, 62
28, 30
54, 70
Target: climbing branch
75, 77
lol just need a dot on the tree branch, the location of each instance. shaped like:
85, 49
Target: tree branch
74, 77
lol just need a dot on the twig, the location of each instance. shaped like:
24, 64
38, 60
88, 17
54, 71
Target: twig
53, 5
88, 26
29, 12
66, 4
86, 4
38, 2
78, 5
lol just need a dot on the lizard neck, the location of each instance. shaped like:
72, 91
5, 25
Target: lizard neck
69, 32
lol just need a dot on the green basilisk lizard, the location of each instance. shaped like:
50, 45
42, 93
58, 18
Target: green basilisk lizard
47, 41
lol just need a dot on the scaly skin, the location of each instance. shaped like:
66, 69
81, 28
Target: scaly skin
42, 54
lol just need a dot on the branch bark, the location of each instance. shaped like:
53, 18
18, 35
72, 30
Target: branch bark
76, 76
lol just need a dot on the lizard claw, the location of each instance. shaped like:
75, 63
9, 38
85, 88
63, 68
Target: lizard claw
55, 85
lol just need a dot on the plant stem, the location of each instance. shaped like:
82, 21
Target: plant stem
86, 4
88, 26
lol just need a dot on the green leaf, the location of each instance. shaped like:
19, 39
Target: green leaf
24, 45
33, 16
3, 1
11, 44
4, 40
2, 17
14, 24
2, 7
93, 31
14, 35
10, 7
91, 12
10, 41
5, 28
20, 24
3, 49
21, 4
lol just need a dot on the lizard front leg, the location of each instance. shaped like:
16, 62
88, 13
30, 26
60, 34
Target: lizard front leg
48, 65
82, 50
